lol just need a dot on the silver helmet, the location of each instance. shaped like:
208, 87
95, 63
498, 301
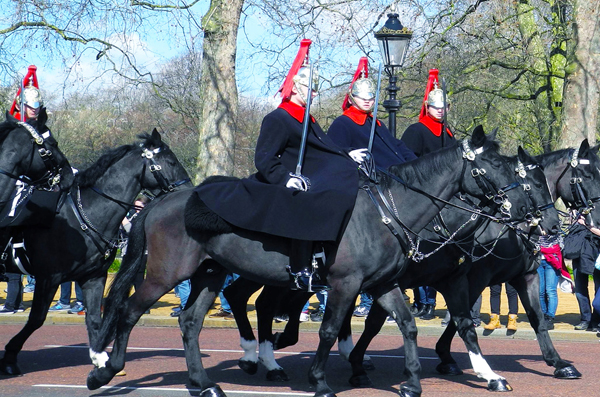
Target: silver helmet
363, 88
31, 97
303, 75
436, 98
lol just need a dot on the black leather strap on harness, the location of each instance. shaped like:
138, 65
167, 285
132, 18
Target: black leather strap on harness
110, 244
386, 220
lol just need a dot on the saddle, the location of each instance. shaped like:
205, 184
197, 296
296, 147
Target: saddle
30, 207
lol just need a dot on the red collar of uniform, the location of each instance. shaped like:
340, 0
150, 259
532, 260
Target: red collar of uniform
296, 111
357, 116
435, 126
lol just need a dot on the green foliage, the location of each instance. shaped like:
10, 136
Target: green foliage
116, 265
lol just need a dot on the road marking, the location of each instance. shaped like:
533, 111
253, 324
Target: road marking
118, 388
234, 351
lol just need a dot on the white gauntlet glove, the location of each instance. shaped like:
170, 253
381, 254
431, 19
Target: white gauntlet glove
294, 183
359, 155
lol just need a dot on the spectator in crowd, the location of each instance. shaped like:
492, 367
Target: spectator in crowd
30, 287
553, 272
475, 314
64, 302
364, 307
225, 310
182, 290
319, 312
14, 294
513, 307
583, 267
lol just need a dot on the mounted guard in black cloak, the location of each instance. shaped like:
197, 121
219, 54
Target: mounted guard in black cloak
33, 171
305, 187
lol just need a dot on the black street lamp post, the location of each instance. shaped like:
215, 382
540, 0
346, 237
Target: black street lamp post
393, 39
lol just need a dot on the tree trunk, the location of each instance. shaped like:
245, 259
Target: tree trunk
540, 85
219, 96
580, 113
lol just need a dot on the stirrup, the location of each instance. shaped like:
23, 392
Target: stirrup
303, 281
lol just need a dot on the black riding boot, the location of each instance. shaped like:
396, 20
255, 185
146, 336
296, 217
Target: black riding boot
303, 273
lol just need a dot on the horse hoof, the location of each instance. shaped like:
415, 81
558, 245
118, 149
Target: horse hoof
368, 365
499, 385
360, 381
567, 373
326, 395
277, 375
408, 393
214, 391
10, 369
99, 377
248, 367
451, 369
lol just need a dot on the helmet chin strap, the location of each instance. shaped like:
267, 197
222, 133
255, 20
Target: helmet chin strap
301, 93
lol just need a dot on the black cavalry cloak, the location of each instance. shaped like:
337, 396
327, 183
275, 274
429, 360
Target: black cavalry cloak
262, 202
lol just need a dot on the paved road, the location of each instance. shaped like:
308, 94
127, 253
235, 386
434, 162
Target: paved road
55, 362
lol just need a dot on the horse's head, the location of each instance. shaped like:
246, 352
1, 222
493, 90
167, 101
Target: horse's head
162, 172
540, 210
574, 176
487, 175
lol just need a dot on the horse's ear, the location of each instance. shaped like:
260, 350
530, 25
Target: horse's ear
156, 136
524, 157
478, 138
583, 148
492, 135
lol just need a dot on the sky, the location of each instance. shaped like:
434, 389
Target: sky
152, 48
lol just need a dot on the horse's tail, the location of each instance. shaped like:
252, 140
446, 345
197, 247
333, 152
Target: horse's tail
120, 287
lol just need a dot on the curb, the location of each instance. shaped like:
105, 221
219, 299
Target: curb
562, 332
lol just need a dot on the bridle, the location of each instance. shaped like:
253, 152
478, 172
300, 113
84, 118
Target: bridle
534, 213
151, 164
486, 185
86, 224
581, 200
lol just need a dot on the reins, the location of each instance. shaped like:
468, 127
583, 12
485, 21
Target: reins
497, 196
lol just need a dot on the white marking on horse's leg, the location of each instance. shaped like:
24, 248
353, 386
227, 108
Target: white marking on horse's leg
267, 357
249, 347
345, 347
99, 359
481, 367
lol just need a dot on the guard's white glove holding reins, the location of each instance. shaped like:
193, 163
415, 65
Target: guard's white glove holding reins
359, 155
295, 183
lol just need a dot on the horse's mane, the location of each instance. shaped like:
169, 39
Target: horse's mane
421, 169
89, 176
552, 157
5, 128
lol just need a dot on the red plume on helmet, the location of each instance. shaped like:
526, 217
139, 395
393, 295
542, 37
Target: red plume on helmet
431, 83
301, 59
29, 80
361, 71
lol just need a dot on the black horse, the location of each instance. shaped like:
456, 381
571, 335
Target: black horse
184, 240
502, 257
81, 243
434, 269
